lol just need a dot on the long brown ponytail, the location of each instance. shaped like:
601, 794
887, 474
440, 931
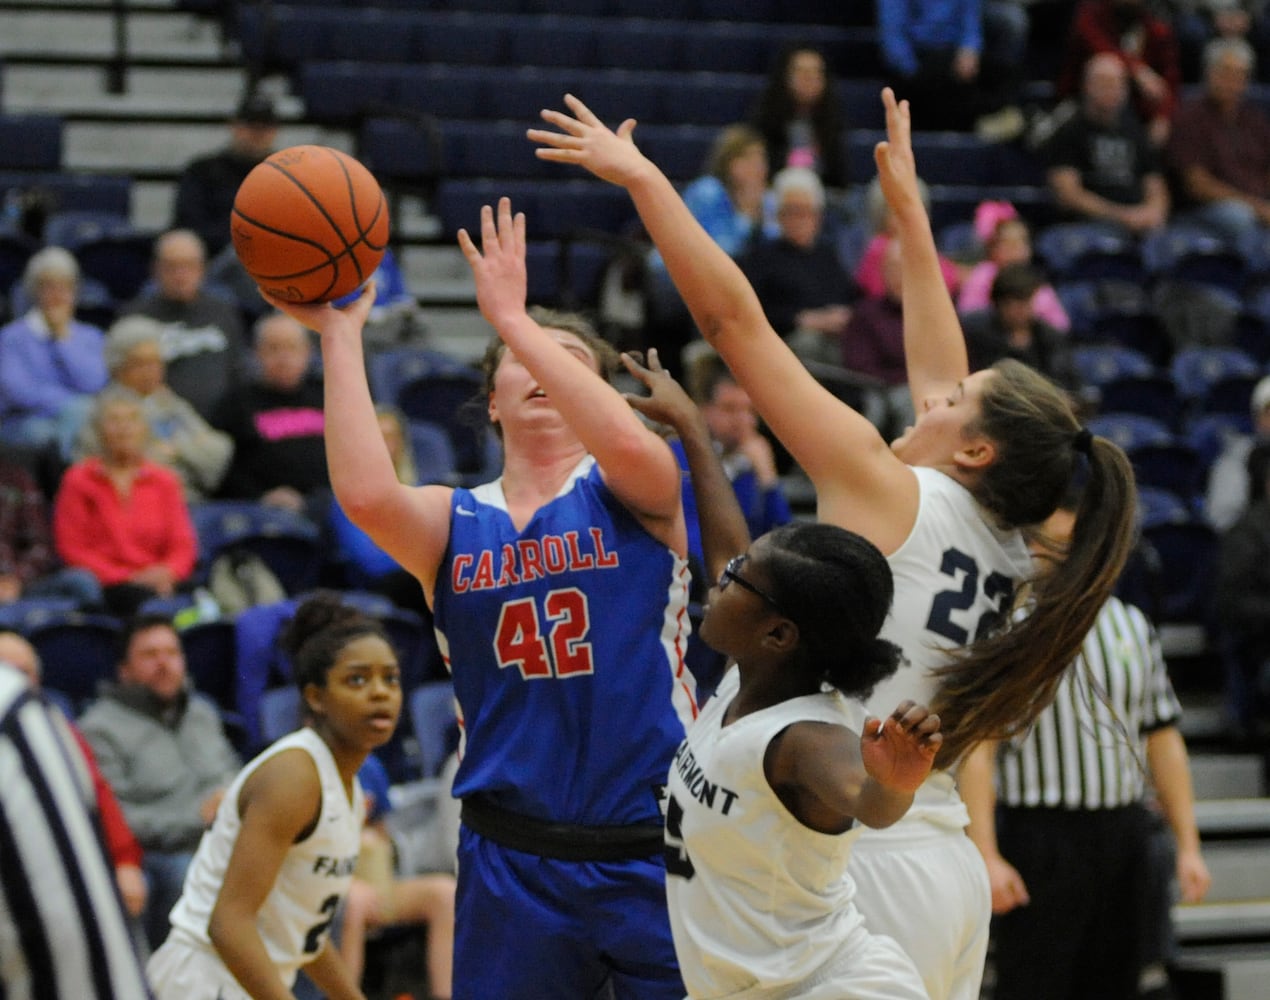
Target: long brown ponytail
999, 684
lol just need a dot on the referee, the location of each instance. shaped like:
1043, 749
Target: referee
1078, 870
63, 934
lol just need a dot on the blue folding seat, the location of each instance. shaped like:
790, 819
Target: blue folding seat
862, 103
15, 250
647, 45
73, 228
434, 719
1188, 558
711, 98
1130, 430
551, 40
1232, 395
1190, 254
492, 149
30, 142
453, 399
1161, 506
1150, 395
123, 263
1141, 331
959, 241
726, 46
520, 93
584, 266
542, 261
1074, 251
573, 207
260, 663
952, 158
1208, 433
279, 713
433, 452
289, 543
861, 168
78, 652
1176, 467
464, 40
1098, 364
681, 151
72, 192
338, 92
1195, 370
459, 201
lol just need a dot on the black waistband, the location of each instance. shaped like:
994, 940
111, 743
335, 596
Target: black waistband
562, 841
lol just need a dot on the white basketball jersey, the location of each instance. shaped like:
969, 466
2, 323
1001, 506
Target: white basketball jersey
296, 916
756, 898
955, 576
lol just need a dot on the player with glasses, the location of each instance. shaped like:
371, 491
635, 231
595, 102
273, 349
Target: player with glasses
768, 790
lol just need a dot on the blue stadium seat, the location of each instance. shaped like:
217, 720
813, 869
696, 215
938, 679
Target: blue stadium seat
1195, 370
30, 142
1190, 254
680, 151
1208, 433
78, 652
1160, 506
1141, 331
123, 263
1188, 557
435, 723
542, 261
73, 192
1130, 430
1098, 364
74, 228
1176, 467
492, 149
261, 664
289, 543
1150, 395
433, 452
647, 45
551, 40
451, 399
711, 98
728, 46
1231, 395
1075, 251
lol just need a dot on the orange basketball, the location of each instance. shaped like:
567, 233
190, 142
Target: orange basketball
310, 224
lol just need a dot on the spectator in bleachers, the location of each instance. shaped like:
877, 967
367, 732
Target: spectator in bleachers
797, 276
179, 437
868, 273
207, 186
1143, 44
121, 843
1198, 22
959, 61
28, 565
164, 751
1101, 164
1220, 147
1010, 328
1007, 240
51, 364
203, 340
731, 200
123, 516
1228, 480
873, 344
800, 117
277, 426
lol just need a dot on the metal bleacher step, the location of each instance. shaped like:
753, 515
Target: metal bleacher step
154, 149
1227, 775
151, 91
1223, 972
66, 31
459, 331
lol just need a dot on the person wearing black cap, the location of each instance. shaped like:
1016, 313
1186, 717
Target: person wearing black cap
205, 193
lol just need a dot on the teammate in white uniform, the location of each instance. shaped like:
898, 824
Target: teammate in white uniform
994, 452
269, 875
766, 791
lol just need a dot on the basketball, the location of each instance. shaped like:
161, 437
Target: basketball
310, 224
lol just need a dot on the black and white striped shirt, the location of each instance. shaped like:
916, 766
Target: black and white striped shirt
1076, 755
63, 934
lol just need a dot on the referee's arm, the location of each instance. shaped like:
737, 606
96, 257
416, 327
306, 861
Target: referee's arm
975, 782
1171, 776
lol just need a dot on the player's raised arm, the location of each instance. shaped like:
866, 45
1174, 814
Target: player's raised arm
934, 346
850, 461
409, 523
637, 464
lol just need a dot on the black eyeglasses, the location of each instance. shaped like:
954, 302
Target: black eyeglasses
732, 574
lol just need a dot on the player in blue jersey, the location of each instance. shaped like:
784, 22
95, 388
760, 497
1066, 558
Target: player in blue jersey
988, 458
560, 600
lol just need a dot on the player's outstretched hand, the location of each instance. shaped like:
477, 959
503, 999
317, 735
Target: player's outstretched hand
499, 268
667, 402
897, 168
898, 751
586, 141
326, 318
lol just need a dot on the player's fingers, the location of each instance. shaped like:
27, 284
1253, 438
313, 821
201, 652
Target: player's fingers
468, 247
635, 368
581, 111
626, 129
654, 360
489, 234
518, 228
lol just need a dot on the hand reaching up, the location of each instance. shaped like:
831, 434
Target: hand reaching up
502, 281
898, 751
897, 168
667, 403
586, 141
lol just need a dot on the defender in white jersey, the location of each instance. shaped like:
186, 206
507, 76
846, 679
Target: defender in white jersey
1006, 441
767, 790
269, 875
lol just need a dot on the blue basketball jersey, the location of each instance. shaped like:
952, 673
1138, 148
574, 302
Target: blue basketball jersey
566, 643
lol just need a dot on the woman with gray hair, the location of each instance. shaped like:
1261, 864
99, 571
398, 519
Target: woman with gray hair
179, 437
50, 363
